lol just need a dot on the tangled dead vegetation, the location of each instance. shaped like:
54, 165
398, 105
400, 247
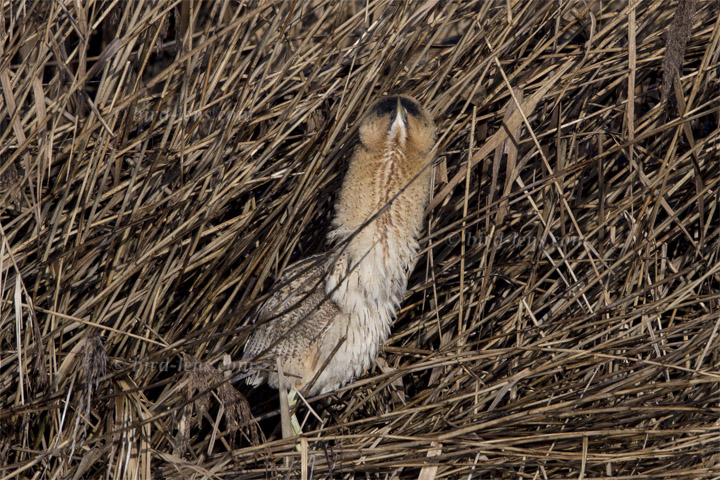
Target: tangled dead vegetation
162, 162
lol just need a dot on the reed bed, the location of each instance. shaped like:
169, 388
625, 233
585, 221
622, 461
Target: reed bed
162, 162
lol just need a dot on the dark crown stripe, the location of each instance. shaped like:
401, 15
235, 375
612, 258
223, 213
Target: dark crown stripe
387, 106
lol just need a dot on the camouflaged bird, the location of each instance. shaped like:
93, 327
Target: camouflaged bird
329, 319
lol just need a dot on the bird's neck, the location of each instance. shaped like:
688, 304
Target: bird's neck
371, 268
377, 222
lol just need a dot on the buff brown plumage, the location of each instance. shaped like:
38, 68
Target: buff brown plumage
330, 318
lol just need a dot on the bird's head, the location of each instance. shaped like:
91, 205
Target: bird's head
399, 121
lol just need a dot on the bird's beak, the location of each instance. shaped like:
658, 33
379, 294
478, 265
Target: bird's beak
400, 113
398, 129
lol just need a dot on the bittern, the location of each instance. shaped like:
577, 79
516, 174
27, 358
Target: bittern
328, 320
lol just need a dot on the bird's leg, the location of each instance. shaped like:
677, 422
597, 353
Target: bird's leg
285, 421
292, 401
290, 425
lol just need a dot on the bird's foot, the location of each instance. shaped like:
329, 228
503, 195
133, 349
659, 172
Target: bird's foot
292, 401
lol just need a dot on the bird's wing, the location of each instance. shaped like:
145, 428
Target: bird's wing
295, 316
